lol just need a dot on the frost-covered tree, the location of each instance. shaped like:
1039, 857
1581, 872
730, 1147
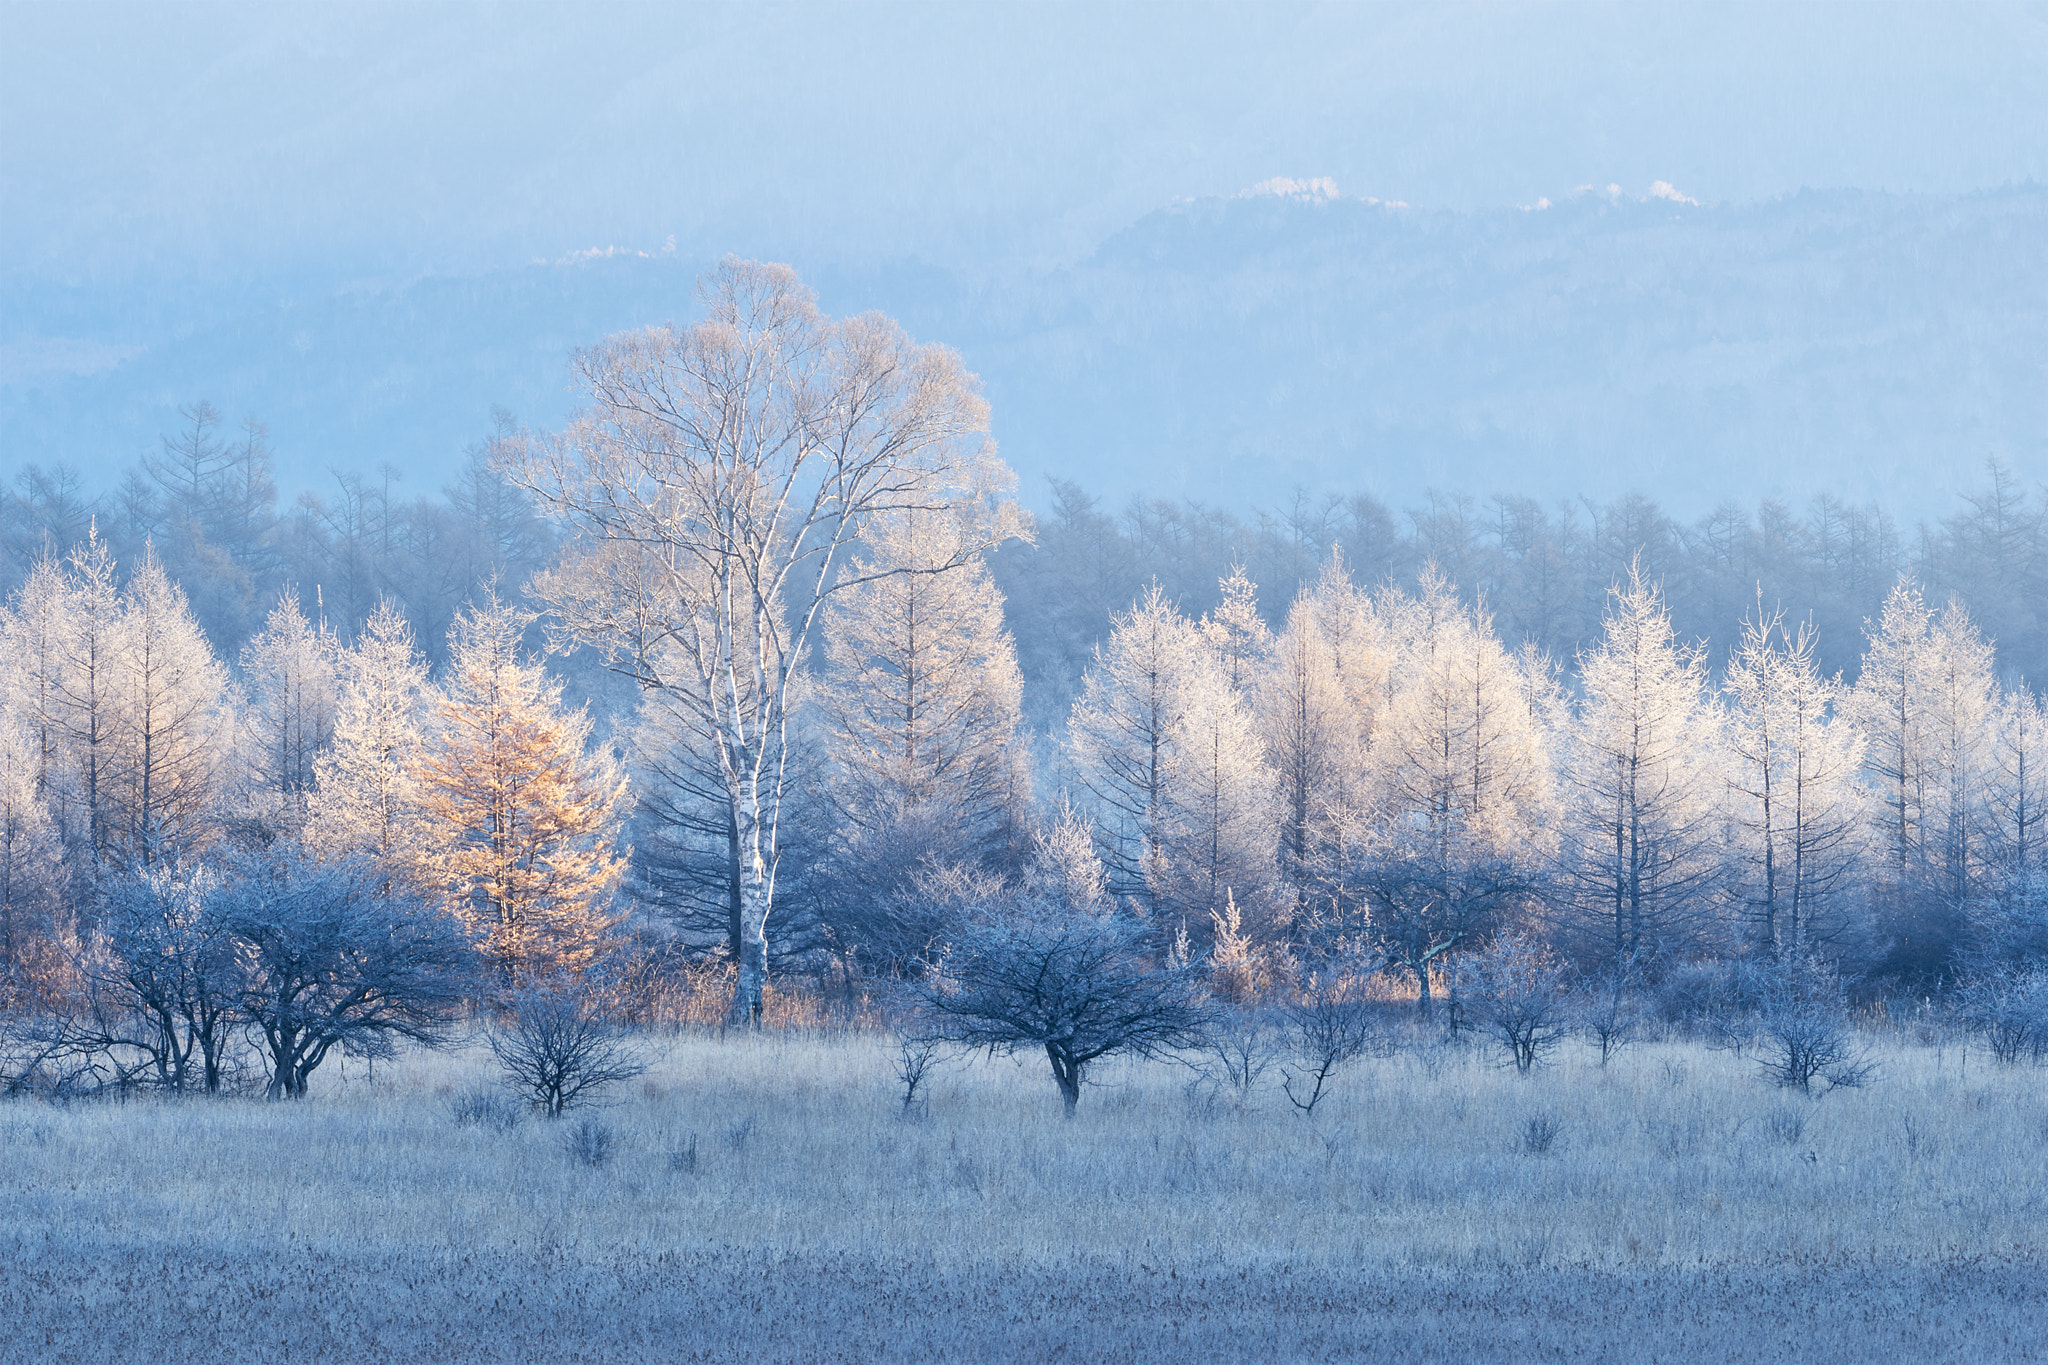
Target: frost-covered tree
711, 486
2011, 920
33, 626
332, 955
1170, 752
1639, 853
31, 868
2017, 797
1460, 793
1121, 734
1924, 702
87, 710
920, 700
1222, 825
1319, 698
289, 670
366, 796
172, 757
1237, 633
1795, 806
519, 817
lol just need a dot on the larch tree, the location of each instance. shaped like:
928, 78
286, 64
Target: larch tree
1237, 633
1889, 705
290, 669
87, 710
1319, 699
1121, 736
920, 698
366, 796
1639, 854
710, 487
31, 867
1963, 697
1462, 794
2012, 921
1222, 826
519, 817
1924, 701
1796, 808
176, 727
915, 717
34, 626
2017, 805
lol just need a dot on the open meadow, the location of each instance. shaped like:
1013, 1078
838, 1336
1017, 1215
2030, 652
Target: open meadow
767, 1197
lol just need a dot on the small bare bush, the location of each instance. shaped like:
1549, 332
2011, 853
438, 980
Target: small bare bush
2007, 1009
558, 1050
682, 1156
1540, 1133
918, 1055
1609, 1007
1802, 1035
590, 1143
1329, 1028
1786, 1126
1514, 992
482, 1107
1241, 1046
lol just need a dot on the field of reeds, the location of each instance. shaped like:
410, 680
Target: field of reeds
770, 1198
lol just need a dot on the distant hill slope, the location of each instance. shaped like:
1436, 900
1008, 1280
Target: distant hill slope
1869, 345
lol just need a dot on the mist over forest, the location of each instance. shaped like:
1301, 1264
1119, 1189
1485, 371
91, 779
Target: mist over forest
1873, 348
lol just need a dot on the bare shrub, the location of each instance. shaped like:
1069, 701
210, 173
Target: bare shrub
1240, 1047
483, 1107
1079, 984
590, 1142
1785, 1126
1540, 1133
1514, 992
682, 1156
2007, 1008
1803, 1036
559, 1050
918, 1054
1609, 1008
1328, 1028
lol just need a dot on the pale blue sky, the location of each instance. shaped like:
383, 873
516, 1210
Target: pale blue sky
323, 142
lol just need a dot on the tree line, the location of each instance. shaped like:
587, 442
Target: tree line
1421, 755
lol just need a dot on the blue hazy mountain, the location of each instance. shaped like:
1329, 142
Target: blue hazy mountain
1874, 346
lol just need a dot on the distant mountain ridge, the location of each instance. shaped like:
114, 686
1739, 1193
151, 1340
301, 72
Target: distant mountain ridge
1874, 346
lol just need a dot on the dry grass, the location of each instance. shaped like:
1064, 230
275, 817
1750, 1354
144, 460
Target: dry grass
767, 1195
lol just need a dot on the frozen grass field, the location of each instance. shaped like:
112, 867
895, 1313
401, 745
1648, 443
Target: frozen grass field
765, 1198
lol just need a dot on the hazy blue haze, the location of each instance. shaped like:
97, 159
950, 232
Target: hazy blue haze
332, 216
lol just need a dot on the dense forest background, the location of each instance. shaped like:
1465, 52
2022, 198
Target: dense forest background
209, 505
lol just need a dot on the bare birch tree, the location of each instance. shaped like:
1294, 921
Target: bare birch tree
711, 484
